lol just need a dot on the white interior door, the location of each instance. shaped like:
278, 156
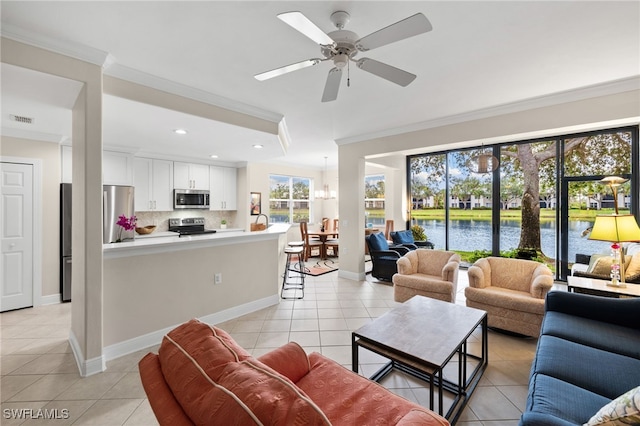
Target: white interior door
17, 236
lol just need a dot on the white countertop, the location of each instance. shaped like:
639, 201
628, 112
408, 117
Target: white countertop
170, 241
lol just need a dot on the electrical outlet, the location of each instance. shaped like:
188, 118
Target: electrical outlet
217, 278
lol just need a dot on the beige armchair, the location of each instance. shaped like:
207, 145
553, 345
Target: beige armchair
512, 291
429, 273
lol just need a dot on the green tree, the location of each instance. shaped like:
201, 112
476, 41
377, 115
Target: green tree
279, 191
300, 190
511, 190
464, 188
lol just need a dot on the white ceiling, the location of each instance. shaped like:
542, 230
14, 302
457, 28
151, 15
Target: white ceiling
479, 55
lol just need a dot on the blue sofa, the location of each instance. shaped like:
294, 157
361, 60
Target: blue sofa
588, 354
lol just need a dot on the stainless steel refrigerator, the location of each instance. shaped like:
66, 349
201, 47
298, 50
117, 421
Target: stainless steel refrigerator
117, 200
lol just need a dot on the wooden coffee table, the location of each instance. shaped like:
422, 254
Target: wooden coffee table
420, 337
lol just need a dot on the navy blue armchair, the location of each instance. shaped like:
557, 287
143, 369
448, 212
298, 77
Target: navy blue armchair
383, 256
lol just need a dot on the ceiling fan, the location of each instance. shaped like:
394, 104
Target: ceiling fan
342, 46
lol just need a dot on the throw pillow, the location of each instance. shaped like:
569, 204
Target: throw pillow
377, 242
404, 237
602, 266
634, 266
594, 260
624, 410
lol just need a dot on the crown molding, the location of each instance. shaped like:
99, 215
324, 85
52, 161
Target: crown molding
594, 91
74, 50
32, 134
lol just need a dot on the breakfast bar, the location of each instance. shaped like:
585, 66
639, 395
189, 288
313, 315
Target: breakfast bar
153, 284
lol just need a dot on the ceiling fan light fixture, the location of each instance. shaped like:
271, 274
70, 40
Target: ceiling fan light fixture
340, 61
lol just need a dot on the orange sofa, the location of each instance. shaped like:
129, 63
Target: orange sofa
201, 376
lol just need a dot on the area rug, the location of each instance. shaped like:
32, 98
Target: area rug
315, 269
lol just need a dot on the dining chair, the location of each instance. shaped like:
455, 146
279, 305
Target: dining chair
388, 228
333, 242
309, 244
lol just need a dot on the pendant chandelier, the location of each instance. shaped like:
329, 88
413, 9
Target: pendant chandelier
484, 162
325, 193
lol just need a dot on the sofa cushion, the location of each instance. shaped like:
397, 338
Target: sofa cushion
598, 334
161, 399
270, 396
631, 248
515, 274
289, 360
624, 410
215, 380
353, 400
609, 373
551, 398
506, 298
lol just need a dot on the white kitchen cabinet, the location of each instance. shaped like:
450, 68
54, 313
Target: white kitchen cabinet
117, 168
223, 188
153, 180
190, 176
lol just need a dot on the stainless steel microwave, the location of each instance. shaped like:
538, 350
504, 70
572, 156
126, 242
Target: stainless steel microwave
190, 199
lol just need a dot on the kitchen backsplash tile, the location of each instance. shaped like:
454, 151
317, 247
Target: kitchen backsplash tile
161, 219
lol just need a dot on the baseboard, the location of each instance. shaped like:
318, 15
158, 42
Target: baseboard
51, 299
150, 339
86, 367
355, 276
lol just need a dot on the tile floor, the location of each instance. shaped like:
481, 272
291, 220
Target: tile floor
38, 370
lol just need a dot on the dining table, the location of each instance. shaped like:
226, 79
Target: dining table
323, 236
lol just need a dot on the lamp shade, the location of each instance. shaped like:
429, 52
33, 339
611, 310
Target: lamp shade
615, 228
483, 163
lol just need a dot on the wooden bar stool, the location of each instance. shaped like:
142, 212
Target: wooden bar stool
293, 279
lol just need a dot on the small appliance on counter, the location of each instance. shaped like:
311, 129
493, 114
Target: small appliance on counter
189, 226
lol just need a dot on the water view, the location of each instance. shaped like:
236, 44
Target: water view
469, 235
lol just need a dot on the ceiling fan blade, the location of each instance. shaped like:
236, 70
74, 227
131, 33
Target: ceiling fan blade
393, 74
301, 23
286, 69
409, 27
332, 85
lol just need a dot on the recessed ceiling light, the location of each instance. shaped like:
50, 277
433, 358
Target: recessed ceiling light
213, 156
180, 131
258, 146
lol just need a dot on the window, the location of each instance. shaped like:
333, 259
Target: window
289, 199
374, 199
542, 200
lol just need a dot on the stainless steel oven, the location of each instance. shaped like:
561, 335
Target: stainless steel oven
190, 199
